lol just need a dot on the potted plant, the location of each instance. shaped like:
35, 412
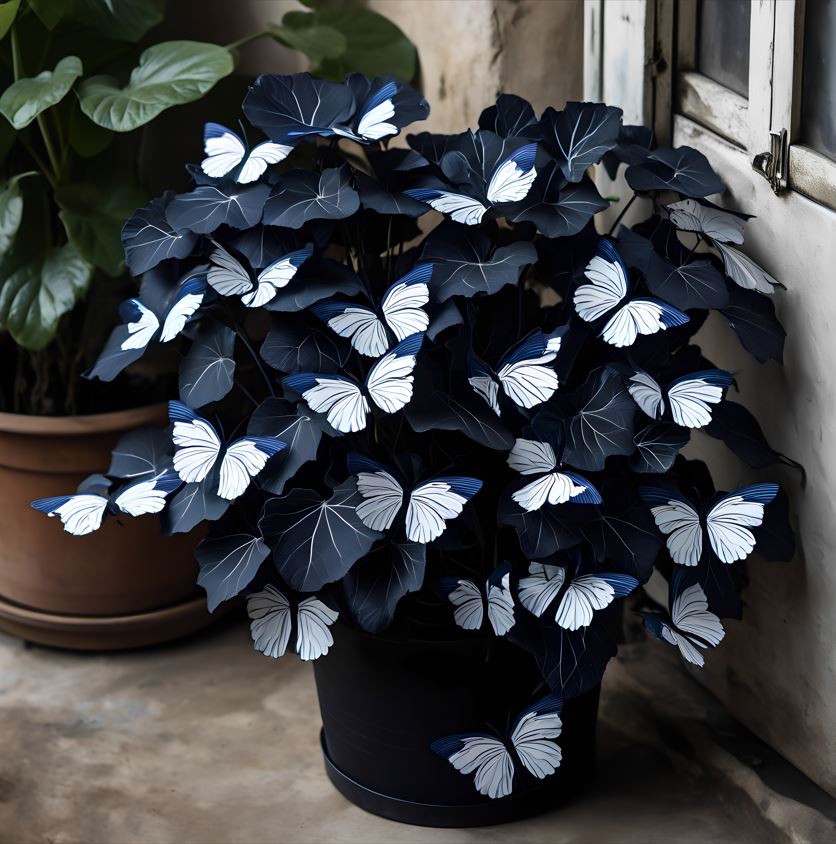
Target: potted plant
80, 92
437, 460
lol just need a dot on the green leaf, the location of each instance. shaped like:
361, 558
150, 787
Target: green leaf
25, 99
299, 32
8, 12
121, 20
93, 218
35, 297
168, 74
374, 45
11, 213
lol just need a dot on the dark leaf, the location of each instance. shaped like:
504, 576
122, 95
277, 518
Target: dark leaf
580, 135
544, 532
228, 564
141, 452
193, 504
556, 206
775, 537
511, 116
297, 346
294, 425
376, 583
208, 370
465, 263
571, 661
149, 238
433, 408
208, 207
598, 421
740, 431
695, 284
315, 541
624, 533
317, 279
288, 107
634, 144
446, 316
303, 195
752, 317
682, 169
657, 446
375, 197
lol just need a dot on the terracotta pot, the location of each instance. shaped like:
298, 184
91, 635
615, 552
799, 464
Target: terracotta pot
101, 586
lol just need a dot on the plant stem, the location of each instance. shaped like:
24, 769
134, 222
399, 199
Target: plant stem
256, 359
234, 45
622, 213
693, 249
17, 69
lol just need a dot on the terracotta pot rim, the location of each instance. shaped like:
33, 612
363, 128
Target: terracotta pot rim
94, 423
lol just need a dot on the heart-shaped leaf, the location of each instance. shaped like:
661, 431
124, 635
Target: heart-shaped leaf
316, 541
38, 294
193, 504
317, 279
207, 371
544, 532
143, 452
657, 446
168, 74
752, 318
302, 195
294, 346
580, 135
228, 564
25, 99
465, 262
375, 585
149, 238
683, 169
120, 20
208, 207
558, 207
294, 425
598, 421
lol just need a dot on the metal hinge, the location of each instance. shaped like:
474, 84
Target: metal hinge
773, 165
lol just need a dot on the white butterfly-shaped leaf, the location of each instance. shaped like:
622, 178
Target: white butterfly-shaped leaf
531, 457
229, 277
690, 397
457, 206
691, 216
272, 619
198, 449
584, 595
525, 373
470, 601
744, 272
225, 151
144, 325
83, 513
490, 758
401, 309
727, 522
431, 503
692, 625
607, 290
344, 402
511, 181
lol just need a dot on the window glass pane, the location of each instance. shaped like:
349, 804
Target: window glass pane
723, 53
818, 90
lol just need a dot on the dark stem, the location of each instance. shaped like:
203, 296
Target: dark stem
622, 213
256, 358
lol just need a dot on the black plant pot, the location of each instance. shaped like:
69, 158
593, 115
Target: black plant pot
383, 702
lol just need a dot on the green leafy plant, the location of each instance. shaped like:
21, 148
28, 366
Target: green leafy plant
81, 80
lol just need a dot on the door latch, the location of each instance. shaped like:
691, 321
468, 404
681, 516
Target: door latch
773, 165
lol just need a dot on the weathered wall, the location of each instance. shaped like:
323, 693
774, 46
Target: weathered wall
469, 49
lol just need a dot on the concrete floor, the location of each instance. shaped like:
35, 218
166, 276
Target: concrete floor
206, 741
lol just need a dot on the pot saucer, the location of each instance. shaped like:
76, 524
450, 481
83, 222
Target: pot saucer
106, 633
